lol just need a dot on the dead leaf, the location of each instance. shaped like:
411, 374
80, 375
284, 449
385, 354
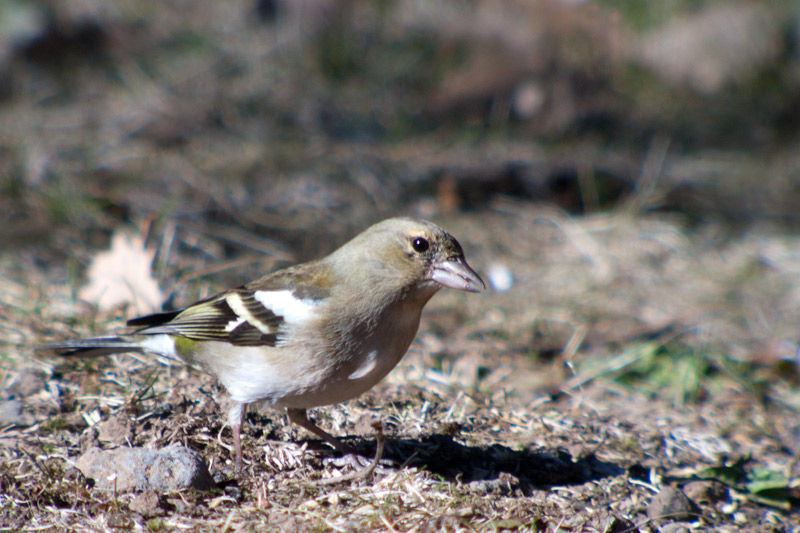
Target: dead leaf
122, 275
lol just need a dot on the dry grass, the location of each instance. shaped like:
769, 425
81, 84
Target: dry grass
482, 434
638, 348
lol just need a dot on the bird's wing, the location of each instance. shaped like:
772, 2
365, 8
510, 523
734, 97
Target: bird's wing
251, 315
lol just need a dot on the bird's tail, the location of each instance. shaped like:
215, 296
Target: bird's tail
91, 347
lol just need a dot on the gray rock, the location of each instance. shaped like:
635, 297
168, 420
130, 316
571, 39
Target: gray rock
139, 469
11, 413
705, 491
116, 430
14, 412
675, 527
27, 382
148, 503
672, 505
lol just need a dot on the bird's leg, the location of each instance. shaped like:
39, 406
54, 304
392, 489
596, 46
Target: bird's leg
365, 472
300, 417
236, 419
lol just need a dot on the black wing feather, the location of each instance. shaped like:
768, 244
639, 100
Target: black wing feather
155, 319
212, 320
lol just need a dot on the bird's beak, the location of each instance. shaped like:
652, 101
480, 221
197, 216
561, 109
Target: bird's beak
457, 274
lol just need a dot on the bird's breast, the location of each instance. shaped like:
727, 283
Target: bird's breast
354, 360
319, 363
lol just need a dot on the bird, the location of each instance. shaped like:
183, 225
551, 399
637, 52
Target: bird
313, 334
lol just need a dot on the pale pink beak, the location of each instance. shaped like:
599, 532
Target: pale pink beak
457, 274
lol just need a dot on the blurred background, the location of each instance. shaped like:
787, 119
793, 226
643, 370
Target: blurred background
632, 167
624, 174
281, 128
302, 113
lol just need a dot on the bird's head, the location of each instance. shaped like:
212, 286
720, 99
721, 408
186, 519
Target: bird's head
405, 253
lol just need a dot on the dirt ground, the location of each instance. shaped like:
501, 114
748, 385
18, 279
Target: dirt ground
567, 403
633, 365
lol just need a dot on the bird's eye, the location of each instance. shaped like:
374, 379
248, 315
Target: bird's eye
420, 245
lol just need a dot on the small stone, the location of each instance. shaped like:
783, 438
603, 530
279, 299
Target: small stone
705, 491
671, 504
27, 382
116, 430
147, 503
14, 412
675, 527
10, 413
502, 485
129, 469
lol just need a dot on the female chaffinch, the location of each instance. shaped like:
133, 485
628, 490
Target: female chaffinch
313, 334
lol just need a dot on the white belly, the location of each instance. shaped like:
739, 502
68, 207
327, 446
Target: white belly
310, 374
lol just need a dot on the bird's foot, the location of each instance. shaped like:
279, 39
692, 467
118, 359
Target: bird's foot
364, 466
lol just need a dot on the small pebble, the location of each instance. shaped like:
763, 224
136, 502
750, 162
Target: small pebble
672, 505
675, 527
11, 413
146, 504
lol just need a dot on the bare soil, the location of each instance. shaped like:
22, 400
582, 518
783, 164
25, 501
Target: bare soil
638, 374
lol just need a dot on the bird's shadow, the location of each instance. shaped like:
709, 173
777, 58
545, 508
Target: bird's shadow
498, 466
